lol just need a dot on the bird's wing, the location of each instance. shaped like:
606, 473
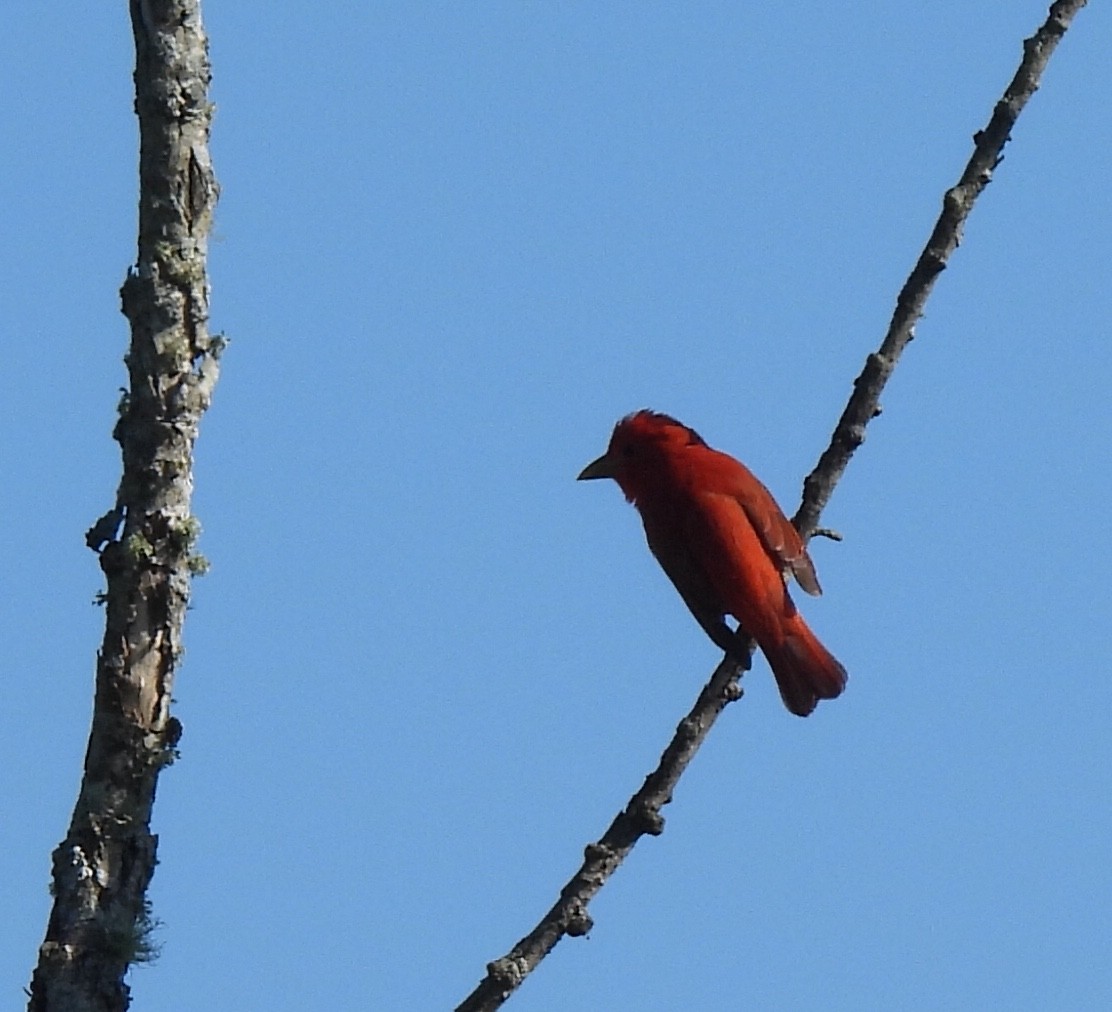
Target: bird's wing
670, 543
780, 539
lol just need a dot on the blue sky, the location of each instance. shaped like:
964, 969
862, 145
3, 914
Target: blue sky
456, 243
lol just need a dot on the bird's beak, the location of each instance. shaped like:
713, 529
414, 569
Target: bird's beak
601, 468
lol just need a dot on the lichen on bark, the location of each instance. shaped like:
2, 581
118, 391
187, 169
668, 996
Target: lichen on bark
101, 921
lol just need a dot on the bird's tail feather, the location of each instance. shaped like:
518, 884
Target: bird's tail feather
805, 670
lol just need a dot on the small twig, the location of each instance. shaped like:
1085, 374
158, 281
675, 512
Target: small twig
642, 815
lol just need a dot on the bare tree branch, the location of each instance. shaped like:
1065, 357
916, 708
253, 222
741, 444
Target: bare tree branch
642, 815
101, 922
957, 203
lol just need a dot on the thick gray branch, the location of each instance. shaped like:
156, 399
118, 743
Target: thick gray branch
642, 814
100, 920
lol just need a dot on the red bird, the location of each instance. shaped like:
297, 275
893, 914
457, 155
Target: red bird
719, 535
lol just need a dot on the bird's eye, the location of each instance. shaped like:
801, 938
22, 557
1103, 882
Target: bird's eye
627, 450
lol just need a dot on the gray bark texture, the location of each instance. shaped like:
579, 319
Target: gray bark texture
100, 922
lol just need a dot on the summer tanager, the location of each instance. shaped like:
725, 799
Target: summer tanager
719, 535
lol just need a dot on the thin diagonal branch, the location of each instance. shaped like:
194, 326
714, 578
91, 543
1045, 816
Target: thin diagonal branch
642, 815
957, 203
100, 922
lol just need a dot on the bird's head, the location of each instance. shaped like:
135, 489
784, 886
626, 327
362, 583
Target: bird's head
642, 452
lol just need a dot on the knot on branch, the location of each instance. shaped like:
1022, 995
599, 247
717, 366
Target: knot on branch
105, 529
114, 559
507, 973
578, 922
645, 819
598, 853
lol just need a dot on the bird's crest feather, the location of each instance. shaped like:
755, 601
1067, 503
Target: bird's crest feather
649, 422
